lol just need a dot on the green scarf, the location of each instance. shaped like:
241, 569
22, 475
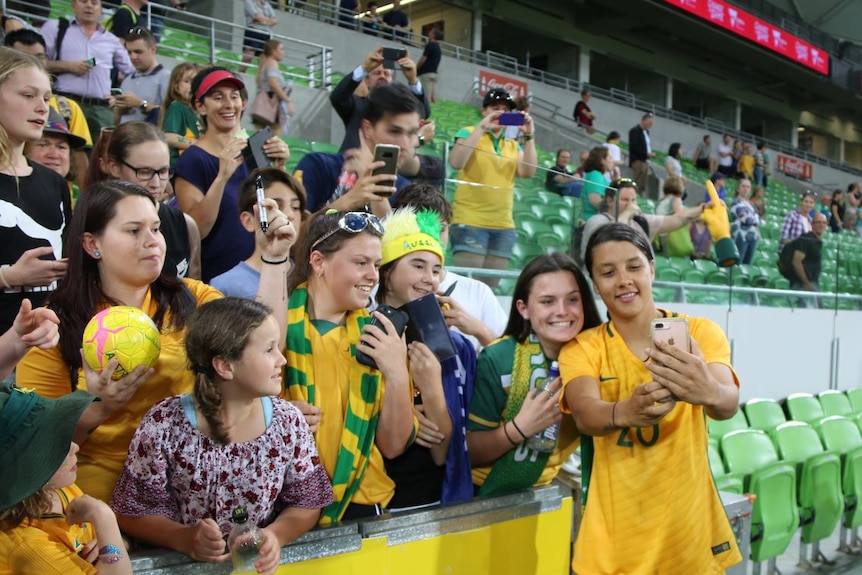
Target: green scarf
518, 469
365, 398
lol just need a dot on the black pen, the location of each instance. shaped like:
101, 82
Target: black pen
451, 288
261, 210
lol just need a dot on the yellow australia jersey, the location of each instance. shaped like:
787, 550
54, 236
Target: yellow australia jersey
650, 504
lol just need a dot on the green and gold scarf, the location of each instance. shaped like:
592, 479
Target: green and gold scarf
521, 467
365, 397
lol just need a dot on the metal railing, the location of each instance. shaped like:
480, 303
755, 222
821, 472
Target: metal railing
504, 63
205, 40
723, 295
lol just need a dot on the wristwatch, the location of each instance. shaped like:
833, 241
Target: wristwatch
144, 106
421, 140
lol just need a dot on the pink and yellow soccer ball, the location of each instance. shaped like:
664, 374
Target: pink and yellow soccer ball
124, 333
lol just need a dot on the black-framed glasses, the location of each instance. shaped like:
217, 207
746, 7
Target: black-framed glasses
147, 174
352, 223
627, 182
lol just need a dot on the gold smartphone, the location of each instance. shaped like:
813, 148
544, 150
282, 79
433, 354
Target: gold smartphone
671, 331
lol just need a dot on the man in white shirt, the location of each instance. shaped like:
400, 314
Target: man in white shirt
725, 156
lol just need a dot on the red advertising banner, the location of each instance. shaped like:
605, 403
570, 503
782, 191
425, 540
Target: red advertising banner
489, 80
752, 28
794, 167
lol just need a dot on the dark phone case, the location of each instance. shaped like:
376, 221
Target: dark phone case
398, 319
427, 325
391, 57
511, 119
253, 152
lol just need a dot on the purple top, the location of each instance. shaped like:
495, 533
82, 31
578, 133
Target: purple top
102, 45
175, 471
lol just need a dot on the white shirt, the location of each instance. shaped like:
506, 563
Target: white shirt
722, 159
478, 299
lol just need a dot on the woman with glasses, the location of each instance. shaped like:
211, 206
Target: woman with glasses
138, 153
641, 408
116, 253
359, 414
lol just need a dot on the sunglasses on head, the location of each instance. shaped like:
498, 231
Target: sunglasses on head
352, 223
627, 182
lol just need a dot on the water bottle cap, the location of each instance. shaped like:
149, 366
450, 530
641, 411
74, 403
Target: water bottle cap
239, 515
554, 371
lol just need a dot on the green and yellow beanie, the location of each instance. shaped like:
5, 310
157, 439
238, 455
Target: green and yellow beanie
410, 231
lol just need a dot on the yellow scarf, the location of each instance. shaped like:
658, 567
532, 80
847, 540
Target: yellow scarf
365, 398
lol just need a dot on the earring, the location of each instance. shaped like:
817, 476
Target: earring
97, 254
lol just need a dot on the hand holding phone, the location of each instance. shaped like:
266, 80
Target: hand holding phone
253, 153
671, 331
388, 154
399, 321
391, 57
511, 119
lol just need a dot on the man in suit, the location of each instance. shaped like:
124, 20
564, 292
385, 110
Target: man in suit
640, 150
370, 74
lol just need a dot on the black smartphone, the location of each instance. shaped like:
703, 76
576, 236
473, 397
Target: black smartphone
253, 152
399, 321
391, 57
116, 92
511, 119
389, 154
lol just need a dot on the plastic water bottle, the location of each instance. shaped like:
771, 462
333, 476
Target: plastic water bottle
244, 541
546, 440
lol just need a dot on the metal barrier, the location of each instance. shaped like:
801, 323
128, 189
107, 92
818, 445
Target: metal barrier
204, 40
683, 292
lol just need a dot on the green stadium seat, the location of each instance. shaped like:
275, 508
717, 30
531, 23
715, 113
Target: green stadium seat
664, 295
855, 396
775, 515
804, 407
724, 481
718, 428
667, 274
764, 414
835, 402
842, 436
327, 147
821, 502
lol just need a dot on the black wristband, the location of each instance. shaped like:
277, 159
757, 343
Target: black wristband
276, 263
518, 429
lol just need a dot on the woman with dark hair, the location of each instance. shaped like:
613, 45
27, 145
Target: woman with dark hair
671, 163
137, 152
837, 209
436, 468
641, 408
116, 252
551, 304
271, 80
341, 398
598, 163
210, 172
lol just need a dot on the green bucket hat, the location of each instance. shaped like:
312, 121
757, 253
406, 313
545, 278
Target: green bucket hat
36, 433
